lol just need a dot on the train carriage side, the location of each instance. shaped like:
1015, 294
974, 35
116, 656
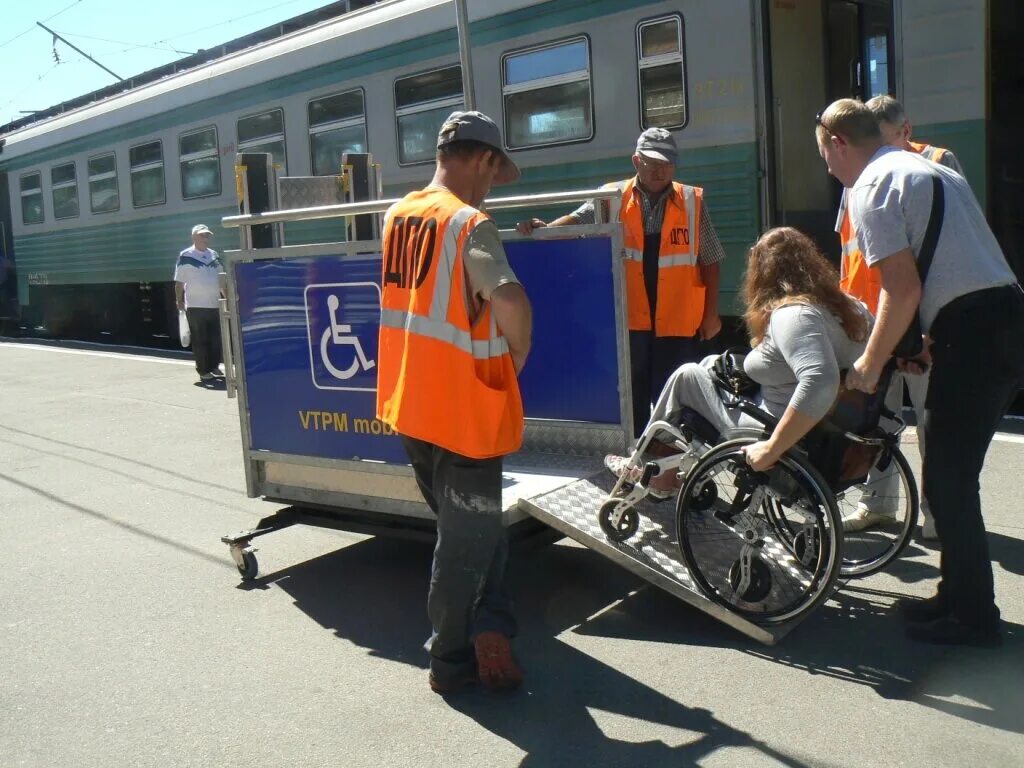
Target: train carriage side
105, 265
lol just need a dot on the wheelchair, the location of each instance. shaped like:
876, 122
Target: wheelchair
770, 545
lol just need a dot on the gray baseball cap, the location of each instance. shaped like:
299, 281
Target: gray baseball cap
476, 126
657, 144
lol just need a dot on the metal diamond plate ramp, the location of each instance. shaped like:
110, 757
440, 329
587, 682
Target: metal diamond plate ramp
652, 554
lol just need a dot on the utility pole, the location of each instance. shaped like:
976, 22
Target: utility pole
75, 47
468, 93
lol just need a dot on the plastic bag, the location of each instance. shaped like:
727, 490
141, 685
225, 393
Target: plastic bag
183, 332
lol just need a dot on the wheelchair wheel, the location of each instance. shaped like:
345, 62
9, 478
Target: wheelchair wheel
734, 549
891, 490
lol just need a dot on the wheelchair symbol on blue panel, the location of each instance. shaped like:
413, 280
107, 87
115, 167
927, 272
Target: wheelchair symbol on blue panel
343, 323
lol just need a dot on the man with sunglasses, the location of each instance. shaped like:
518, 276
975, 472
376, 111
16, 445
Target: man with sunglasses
672, 267
972, 308
864, 283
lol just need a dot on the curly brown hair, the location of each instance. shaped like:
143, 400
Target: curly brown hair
786, 267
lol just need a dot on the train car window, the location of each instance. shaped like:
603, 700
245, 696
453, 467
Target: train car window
199, 157
103, 192
337, 124
264, 133
547, 94
662, 71
422, 102
32, 198
146, 162
64, 188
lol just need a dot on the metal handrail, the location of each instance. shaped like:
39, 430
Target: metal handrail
379, 206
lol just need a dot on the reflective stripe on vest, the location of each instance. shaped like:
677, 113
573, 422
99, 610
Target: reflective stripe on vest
857, 279
928, 152
680, 297
442, 378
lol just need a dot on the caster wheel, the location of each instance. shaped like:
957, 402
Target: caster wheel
760, 581
248, 568
629, 523
705, 498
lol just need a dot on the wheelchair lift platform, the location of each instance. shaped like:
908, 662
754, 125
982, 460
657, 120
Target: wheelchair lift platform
652, 554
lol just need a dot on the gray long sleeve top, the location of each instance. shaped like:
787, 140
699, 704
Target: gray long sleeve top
798, 362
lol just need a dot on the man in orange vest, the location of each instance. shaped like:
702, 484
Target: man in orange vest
672, 267
454, 335
865, 283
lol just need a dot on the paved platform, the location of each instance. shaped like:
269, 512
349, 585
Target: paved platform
127, 640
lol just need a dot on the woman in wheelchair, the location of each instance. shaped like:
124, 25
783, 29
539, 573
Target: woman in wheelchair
803, 331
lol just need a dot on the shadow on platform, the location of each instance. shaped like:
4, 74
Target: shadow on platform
373, 594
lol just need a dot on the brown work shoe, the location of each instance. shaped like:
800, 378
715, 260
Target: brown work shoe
457, 683
495, 665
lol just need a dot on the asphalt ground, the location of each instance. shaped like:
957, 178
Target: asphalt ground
126, 638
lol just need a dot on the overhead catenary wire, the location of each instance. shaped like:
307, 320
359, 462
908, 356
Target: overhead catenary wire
52, 16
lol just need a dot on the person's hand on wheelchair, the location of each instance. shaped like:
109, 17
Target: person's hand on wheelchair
761, 455
917, 365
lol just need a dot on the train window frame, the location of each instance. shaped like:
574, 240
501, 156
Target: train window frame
661, 61
334, 125
66, 184
23, 193
103, 176
142, 167
423, 106
200, 155
546, 82
243, 146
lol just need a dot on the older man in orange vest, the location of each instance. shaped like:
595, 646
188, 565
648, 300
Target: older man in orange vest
454, 334
672, 267
865, 283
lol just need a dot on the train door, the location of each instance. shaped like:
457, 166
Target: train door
8, 283
814, 53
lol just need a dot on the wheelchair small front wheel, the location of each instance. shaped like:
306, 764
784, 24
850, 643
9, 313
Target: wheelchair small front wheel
625, 528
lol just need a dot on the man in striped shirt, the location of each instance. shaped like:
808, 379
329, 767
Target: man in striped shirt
197, 294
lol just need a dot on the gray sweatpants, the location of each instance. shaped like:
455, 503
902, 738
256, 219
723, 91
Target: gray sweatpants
693, 386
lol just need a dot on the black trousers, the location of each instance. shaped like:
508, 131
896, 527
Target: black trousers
467, 593
978, 367
204, 325
653, 359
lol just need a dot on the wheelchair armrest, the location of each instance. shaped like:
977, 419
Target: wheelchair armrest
751, 410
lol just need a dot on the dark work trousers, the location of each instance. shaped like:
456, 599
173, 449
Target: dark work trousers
204, 325
978, 366
467, 594
652, 360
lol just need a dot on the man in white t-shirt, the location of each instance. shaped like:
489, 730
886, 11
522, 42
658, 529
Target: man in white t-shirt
197, 292
972, 309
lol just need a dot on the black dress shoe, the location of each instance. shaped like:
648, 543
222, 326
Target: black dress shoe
949, 630
912, 609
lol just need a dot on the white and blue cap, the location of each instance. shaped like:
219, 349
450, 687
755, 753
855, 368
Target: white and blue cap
201, 229
657, 144
476, 126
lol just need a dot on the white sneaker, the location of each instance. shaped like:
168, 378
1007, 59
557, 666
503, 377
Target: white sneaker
207, 377
620, 467
864, 518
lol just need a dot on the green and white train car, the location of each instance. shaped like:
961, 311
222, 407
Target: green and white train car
98, 201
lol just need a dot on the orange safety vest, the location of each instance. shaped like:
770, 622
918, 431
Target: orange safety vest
928, 152
680, 303
442, 377
857, 278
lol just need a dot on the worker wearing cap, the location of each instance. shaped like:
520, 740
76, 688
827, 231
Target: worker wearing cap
454, 335
197, 294
672, 267
865, 283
